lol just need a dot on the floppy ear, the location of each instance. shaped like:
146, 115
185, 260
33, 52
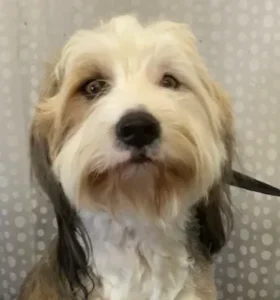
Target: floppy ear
71, 257
214, 218
214, 213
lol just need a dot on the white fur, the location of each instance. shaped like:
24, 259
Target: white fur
140, 261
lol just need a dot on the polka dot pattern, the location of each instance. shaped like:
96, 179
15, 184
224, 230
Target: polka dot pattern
240, 41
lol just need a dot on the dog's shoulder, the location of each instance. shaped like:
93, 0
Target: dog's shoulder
42, 282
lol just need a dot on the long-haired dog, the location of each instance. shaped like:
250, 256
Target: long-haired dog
132, 142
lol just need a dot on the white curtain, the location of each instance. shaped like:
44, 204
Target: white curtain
240, 41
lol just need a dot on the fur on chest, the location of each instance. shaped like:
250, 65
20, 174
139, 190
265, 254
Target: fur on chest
139, 261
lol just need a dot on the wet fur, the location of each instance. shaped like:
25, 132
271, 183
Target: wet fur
64, 272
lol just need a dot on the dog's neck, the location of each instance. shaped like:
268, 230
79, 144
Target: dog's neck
104, 227
134, 252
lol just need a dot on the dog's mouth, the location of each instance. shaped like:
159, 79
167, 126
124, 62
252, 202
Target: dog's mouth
136, 161
139, 157
141, 170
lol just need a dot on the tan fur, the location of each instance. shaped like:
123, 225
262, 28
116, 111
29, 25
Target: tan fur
205, 284
42, 281
126, 194
62, 112
197, 128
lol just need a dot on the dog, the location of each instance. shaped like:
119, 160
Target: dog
132, 142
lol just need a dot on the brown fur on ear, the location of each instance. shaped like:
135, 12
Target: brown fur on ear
41, 131
214, 217
70, 258
214, 213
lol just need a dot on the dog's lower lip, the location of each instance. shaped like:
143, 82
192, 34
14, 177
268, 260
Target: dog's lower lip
140, 159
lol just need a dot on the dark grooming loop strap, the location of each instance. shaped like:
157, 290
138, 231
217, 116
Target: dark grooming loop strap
251, 184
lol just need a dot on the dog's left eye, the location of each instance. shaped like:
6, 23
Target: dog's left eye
95, 88
170, 82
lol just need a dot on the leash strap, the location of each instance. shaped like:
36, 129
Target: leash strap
251, 184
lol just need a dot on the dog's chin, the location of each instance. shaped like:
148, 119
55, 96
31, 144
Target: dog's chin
140, 183
141, 171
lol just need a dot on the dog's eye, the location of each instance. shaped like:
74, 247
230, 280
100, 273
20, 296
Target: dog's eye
95, 88
170, 82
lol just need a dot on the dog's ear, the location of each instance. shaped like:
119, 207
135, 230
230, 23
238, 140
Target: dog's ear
214, 217
41, 131
71, 257
214, 212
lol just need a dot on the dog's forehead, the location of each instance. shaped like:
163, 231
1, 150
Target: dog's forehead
125, 37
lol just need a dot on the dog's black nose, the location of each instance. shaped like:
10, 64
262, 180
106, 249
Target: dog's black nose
138, 129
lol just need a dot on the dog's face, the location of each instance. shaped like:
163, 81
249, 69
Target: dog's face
132, 120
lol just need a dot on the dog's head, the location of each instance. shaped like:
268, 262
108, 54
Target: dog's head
132, 121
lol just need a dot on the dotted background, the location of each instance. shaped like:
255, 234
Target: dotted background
240, 41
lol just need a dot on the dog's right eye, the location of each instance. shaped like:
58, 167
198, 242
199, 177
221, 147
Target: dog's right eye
95, 88
170, 82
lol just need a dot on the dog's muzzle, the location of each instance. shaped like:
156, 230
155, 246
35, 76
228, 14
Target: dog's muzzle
137, 129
